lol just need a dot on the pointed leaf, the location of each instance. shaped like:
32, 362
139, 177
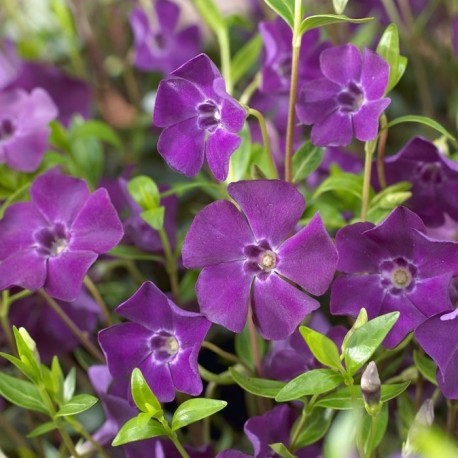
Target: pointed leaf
258, 386
320, 20
306, 160
315, 428
95, 129
69, 385
339, 5
388, 48
426, 367
284, 8
42, 429
135, 430
245, 58
142, 395
421, 120
281, 450
154, 217
194, 410
211, 14
77, 404
144, 191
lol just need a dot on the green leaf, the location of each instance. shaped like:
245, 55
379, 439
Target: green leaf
426, 367
245, 58
211, 14
142, 395
339, 5
421, 120
57, 378
240, 160
306, 160
281, 450
322, 347
18, 363
96, 130
135, 430
77, 404
194, 410
258, 386
134, 253
243, 347
366, 339
316, 381
342, 400
154, 217
59, 136
381, 422
28, 354
145, 192
341, 181
317, 425
21, 393
284, 8
320, 20
89, 159
42, 429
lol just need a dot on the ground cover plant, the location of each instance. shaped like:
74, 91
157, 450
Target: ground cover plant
229, 228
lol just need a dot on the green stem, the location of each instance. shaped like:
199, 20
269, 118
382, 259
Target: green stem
13, 197
254, 343
265, 140
296, 44
452, 413
5, 321
250, 90
79, 428
99, 299
225, 52
372, 432
81, 336
170, 265
383, 137
369, 151
172, 435
209, 394
220, 352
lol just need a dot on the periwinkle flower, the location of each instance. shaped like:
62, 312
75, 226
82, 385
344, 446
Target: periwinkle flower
248, 257
348, 100
159, 43
438, 338
434, 179
393, 267
52, 241
24, 130
200, 119
161, 339
277, 56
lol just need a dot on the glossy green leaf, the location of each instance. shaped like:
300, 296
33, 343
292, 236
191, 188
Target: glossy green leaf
240, 160
135, 430
142, 395
284, 8
320, 20
258, 386
69, 385
281, 450
28, 354
316, 381
322, 347
77, 404
315, 428
145, 192
381, 422
421, 120
154, 217
96, 130
339, 5
426, 367
57, 378
210, 14
42, 429
245, 58
194, 410
342, 400
306, 160
21, 393
341, 181
366, 339
24, 368
134, 253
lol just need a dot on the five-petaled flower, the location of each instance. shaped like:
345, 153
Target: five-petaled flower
393, 267
162, 340
52, 241
247, 256
348, 100
199, 119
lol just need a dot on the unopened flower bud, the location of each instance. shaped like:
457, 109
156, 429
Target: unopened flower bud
371, 389
423, 419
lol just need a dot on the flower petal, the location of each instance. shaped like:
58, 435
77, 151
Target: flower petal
159, 379
366, 120
25, 153
168, 14
185, 375
334, 130
374, 75
279, 307
223, 292
341, 64
309, 258
219, 148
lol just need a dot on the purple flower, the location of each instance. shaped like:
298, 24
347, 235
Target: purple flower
162, 340
247, 256
438, 337
162, 46
199, 117
393, 267
348, 100
434, 180
52, 241
277, 56
24, 128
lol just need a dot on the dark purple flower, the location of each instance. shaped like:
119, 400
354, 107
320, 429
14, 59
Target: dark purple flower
277, 56
393, 267
434, 180
52, 241
438, 337
348, 100
24, 128
162, 340
199, 119
160, 44
247, 254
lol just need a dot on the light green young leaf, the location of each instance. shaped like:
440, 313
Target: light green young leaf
145, 192
306, 160
77, 404
134, 430
258, 386
341, 181
339, 5
284, 8
366, 339
316, 381
245, 58
281, 450
194, 410
69, 385
322, 347
421, 120
27, 351
42, 429
320, 20
154, 217
142, 395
